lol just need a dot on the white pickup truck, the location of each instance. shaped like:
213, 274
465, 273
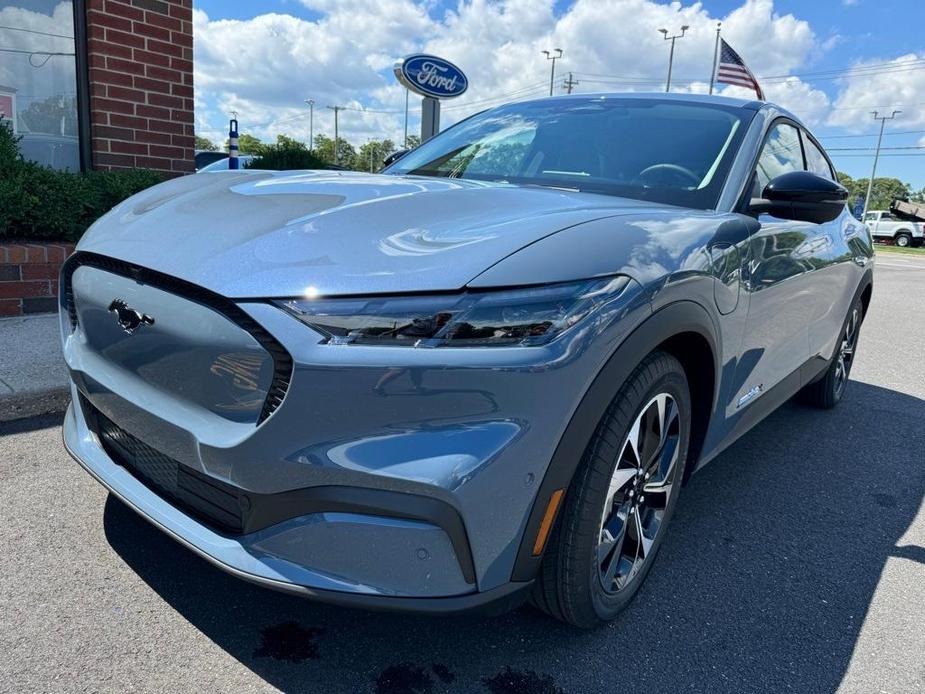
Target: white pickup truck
898, 225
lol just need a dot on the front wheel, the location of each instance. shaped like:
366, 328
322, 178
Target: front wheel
828, 391
618, 506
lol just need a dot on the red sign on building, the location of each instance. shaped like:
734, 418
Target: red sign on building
8, 106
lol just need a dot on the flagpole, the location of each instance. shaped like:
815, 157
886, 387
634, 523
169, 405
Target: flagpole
715, 57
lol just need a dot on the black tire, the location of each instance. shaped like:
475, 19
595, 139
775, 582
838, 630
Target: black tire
903, 240
829, 390
571, 585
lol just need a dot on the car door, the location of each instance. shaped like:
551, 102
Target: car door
776, 340
838, 264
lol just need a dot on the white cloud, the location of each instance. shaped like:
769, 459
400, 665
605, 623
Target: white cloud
266, 66
875, 86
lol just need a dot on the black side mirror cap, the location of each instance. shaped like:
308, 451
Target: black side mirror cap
802, 196
394, 157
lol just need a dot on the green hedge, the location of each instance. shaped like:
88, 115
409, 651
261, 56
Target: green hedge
286, 155
38, 202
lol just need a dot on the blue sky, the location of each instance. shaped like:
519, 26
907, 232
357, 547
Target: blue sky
340, 51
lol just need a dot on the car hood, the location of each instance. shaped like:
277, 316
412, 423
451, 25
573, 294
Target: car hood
259, 234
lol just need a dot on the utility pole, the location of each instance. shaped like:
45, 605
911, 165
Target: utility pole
311, 124
664, 33
570, 83
870, 183
553, 58
407, 92
715, 57
336, 110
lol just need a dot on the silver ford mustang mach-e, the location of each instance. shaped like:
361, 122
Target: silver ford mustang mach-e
480, 376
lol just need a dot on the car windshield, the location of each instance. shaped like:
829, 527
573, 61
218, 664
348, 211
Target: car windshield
650, 149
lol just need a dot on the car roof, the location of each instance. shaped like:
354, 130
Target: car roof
749, 104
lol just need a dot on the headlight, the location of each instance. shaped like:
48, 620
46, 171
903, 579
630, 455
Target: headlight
527, 317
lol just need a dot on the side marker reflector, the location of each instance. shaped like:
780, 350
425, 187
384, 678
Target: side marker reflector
546, 524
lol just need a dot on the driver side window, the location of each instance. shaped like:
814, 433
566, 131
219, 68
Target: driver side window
781, 154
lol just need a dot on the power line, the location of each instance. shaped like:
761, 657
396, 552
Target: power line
870, 149
518, 93
867, 156
35, 31
835, 73
898, 132
368, 110
868, 107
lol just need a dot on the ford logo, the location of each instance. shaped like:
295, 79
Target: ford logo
429, 75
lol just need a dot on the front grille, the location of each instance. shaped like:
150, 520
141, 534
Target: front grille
215, 503
282, 360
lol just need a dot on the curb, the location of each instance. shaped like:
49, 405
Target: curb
34, 403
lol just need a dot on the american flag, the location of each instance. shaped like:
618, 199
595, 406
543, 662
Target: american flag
732, 70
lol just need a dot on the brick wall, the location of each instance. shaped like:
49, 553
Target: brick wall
29, 276
140, 55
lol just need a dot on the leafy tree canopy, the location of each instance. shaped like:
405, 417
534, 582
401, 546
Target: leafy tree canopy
205, 144
881, 195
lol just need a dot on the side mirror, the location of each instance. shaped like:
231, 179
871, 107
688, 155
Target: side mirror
802, 196
394, 157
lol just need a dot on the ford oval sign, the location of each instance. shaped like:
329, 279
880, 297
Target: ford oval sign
431, 76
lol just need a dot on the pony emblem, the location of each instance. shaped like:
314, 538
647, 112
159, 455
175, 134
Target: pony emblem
129, 319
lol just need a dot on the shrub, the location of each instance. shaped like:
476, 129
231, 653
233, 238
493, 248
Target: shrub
42, 203
287, 154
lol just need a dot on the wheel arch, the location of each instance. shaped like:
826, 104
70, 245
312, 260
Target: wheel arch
684, 329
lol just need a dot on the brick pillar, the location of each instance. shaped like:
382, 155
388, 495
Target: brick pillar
140, 55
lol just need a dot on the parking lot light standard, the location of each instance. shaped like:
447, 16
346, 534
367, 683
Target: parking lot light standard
553, 58
664, 33
311, 124
870, 183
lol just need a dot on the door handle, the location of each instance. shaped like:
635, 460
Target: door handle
860, 260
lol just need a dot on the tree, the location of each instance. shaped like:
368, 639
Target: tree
56, 115
881, 195
247, 144
324, 150
204, 144
413, 141
371, 155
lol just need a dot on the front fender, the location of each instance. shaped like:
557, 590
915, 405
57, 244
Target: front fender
674, 319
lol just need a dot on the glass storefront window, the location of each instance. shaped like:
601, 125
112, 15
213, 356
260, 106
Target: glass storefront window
38, 79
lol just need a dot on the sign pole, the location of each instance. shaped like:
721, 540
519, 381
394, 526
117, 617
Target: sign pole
430, 117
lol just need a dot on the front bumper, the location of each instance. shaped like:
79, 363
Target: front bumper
233, 556
384, 477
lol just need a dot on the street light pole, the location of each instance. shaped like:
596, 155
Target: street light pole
664, 33
870, 183
336, 109
553, 58
311, 124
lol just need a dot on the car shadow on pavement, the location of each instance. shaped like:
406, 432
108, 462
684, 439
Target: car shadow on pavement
763, 582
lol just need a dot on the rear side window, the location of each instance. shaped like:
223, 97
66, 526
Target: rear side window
781, 154
815, 159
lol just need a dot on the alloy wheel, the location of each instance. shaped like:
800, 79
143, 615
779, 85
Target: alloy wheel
846, 351
639, 493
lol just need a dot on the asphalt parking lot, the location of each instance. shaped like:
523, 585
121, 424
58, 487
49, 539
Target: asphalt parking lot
796, 563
